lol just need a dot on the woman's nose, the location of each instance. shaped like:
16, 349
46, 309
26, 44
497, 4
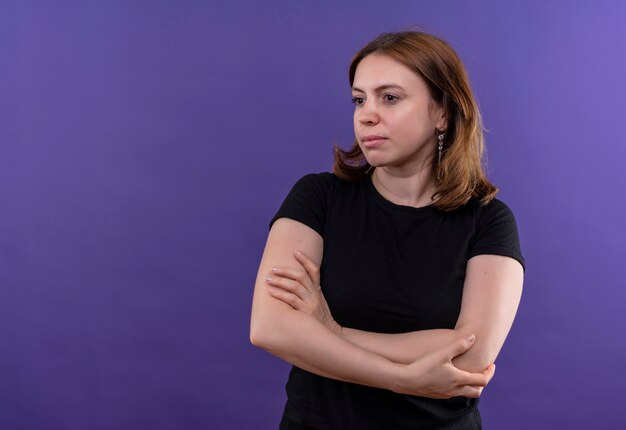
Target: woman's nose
368, 113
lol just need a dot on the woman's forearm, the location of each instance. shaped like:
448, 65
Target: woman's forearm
308, 344
401, 348
405, 348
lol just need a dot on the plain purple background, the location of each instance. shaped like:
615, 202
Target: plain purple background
144, 146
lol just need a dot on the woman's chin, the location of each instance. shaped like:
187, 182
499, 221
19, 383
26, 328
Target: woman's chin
375, 161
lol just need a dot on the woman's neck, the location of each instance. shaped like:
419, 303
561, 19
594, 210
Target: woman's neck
413, 189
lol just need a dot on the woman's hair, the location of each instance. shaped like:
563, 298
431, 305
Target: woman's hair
460, 173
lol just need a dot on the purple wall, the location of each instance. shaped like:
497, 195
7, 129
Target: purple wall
144, 146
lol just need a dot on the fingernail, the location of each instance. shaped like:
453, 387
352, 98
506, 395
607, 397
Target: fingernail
274, 269
298, 253
471, 338
268, 278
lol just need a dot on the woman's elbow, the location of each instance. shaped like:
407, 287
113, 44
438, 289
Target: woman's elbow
482, 353
267, 332
260, 333
263, 321
255, 338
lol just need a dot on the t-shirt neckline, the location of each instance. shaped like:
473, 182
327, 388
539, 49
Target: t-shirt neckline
380, 199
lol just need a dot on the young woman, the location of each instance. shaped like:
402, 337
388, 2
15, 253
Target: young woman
392, 284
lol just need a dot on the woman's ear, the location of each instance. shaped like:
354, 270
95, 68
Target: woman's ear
438, 113
442, 120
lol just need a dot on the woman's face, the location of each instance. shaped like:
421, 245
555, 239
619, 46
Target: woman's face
395, 118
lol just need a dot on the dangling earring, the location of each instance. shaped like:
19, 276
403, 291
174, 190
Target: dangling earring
440, 137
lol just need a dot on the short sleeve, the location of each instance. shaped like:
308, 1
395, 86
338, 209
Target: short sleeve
307, 201
496, 232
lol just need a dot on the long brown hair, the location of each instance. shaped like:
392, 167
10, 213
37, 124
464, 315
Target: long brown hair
460, 174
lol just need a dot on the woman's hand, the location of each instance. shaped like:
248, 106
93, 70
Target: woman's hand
435, 376
300, 288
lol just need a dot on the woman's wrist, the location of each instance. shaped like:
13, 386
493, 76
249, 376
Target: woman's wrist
397, 379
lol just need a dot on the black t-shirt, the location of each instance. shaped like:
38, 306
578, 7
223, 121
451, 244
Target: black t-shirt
388, 268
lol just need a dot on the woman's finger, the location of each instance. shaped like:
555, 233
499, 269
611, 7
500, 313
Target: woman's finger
460, 346
285, 296
288, 285
472, 379
297, 274
490, 371
469, 391
311, 268
478, 380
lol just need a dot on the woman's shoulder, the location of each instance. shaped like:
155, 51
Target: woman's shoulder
321, 178
317, 183
309, 199
494, 206
496, 231
495, 214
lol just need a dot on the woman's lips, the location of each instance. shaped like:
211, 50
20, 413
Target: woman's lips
373, 141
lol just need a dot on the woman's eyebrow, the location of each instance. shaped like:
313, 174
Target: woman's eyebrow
380, 88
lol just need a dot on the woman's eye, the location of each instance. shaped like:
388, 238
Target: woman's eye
357, 100
390, 98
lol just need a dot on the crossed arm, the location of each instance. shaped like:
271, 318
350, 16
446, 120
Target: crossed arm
419, 363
